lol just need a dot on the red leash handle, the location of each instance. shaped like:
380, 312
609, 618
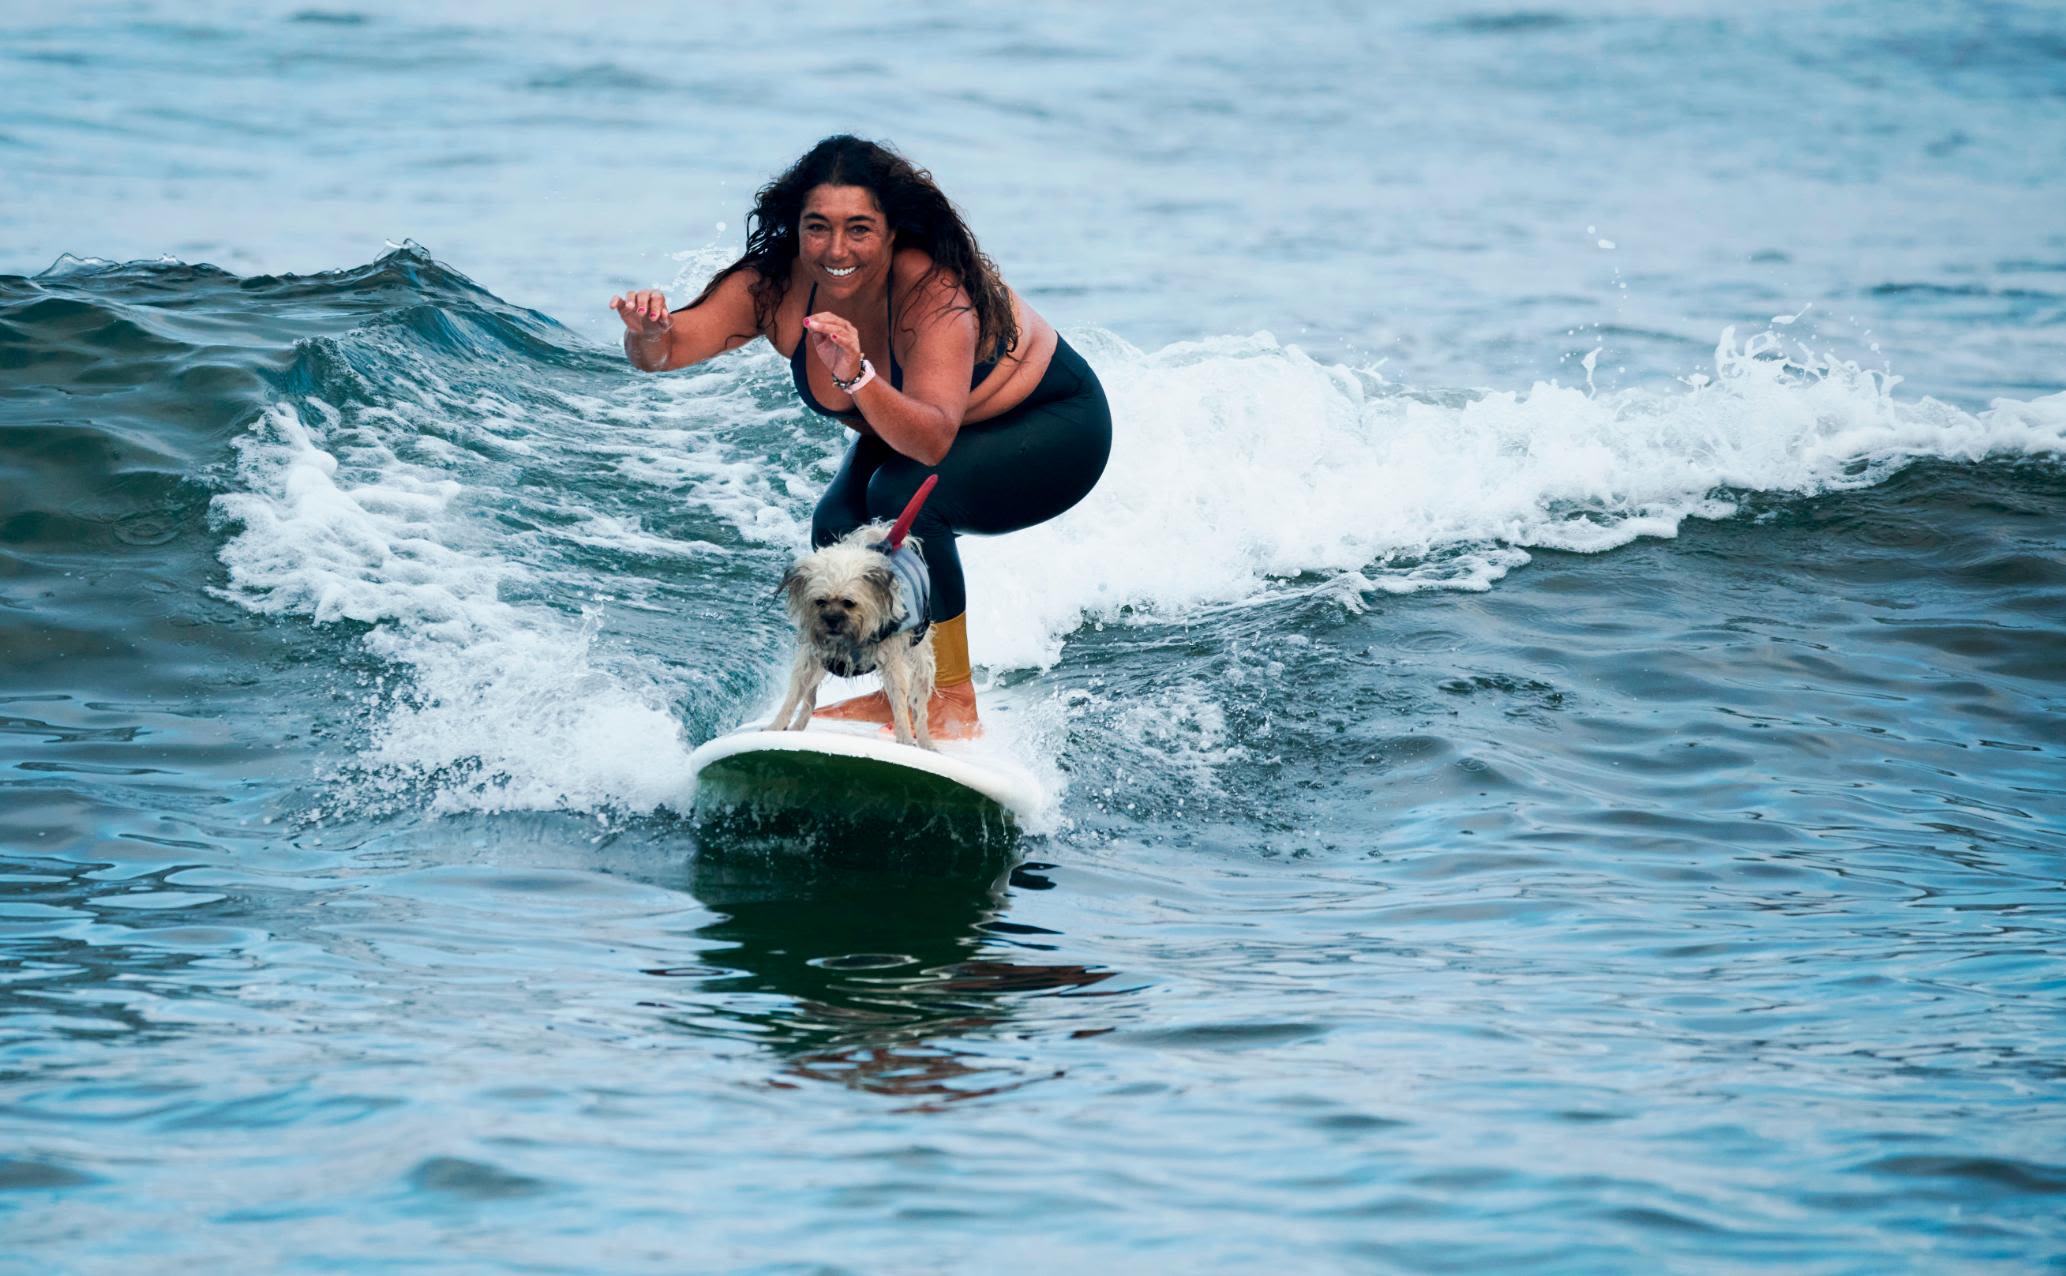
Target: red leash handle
902, 527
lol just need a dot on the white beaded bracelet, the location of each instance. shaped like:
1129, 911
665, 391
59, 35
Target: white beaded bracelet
866, 374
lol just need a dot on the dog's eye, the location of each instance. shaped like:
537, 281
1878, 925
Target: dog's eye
847, 603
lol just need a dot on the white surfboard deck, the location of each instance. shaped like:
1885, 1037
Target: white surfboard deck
839, 766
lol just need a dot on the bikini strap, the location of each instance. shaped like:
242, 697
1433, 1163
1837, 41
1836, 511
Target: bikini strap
889, 325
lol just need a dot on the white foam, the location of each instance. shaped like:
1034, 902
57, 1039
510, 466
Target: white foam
682, 441
508, 706
1242, 471
1241, 468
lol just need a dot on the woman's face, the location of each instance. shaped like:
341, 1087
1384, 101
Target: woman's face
843, 238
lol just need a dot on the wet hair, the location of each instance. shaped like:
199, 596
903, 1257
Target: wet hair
919, 215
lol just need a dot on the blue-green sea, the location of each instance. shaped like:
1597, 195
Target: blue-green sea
1551, 726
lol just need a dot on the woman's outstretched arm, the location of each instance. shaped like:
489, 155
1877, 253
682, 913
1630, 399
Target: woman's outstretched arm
657, 341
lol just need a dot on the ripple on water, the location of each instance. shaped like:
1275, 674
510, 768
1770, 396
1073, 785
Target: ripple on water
1688, 905
456, 1178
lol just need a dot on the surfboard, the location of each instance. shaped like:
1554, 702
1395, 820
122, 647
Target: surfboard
849, 769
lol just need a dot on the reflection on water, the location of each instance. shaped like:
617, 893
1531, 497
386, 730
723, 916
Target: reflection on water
862, 966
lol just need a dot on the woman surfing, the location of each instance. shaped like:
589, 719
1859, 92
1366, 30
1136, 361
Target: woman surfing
895, 323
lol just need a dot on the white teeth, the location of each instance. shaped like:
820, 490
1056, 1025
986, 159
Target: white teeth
841, 274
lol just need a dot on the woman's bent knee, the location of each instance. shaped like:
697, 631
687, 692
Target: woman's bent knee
833, 519
891, 488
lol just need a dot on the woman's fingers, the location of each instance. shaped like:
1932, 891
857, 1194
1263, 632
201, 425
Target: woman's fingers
644, 310
836, 330
836, 342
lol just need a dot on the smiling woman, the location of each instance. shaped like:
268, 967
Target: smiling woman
862, 272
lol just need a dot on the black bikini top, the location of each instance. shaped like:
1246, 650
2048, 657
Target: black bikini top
801, 370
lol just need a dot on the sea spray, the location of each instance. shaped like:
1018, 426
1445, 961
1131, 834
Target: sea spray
482, 545
1242, 468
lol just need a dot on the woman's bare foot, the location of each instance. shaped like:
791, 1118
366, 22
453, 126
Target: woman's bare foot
949, 715
873, 707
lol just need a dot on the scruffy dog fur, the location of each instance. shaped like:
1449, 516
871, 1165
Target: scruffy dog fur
841, 598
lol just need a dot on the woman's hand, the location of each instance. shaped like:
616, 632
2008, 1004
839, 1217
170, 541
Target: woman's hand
836, 343
646, 324
644, 313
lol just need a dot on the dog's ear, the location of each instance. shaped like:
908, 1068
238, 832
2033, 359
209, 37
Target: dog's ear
790, 589
882, 586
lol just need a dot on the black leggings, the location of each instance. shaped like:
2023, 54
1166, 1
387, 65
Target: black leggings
1009, 472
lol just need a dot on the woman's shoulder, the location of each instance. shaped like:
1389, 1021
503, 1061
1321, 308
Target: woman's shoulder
749, 278
915, 273
764, 292
914, 267
739, 280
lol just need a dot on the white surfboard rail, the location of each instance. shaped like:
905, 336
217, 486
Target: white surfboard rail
927, 774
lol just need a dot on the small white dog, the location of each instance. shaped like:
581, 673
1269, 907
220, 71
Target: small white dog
861, 605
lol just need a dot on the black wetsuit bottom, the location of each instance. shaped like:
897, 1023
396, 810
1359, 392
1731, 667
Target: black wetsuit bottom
1007, 473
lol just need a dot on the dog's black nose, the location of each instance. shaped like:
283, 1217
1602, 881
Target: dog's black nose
832, 618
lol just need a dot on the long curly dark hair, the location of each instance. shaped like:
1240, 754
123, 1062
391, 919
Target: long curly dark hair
918, 214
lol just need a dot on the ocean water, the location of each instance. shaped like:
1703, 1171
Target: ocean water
1551, 722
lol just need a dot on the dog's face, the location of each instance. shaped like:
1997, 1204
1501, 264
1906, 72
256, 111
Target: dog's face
841, 598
